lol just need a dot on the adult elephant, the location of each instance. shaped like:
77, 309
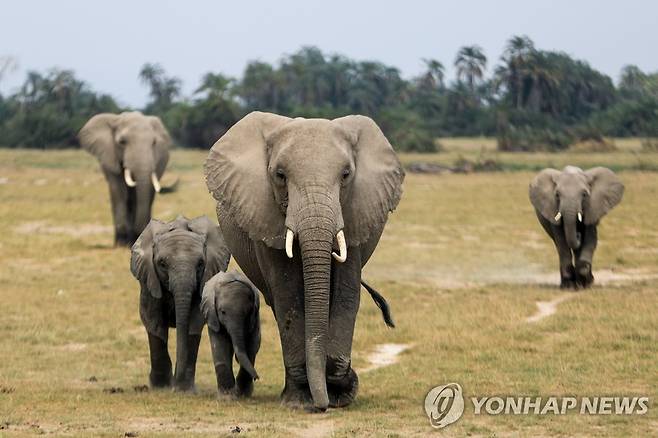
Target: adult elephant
132, 150
569, 205
290, 194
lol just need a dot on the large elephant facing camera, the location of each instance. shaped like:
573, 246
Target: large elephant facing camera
302, 204
569, 205
132, 150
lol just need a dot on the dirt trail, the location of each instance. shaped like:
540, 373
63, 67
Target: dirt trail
384, 355
548, 308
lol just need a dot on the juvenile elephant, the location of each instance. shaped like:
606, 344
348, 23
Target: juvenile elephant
569, 204
230, 306
132, 150
172, 262
302, 204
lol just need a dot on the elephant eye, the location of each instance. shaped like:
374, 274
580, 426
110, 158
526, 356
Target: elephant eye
162, 262
281, 176
123, 141
346, 173
153, 144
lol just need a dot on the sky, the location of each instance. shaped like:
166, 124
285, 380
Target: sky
106, 42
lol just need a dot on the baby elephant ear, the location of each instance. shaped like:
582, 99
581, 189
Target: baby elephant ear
217, 253
141, 259
209, 302
542, 194
97, 138
236, 175
606, 191
377, 184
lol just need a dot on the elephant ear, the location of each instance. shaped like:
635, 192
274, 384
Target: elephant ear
377, 184
217, 253
542, 194
209, 302
236, 175
141, 258
606, 191
97, 138
162, 144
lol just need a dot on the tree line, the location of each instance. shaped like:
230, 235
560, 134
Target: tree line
533, 100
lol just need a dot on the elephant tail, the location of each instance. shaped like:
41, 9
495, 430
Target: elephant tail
381, 303
171, 187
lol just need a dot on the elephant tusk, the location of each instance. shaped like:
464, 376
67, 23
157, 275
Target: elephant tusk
155, 182
580, 217
558, 216
290, 237
128, 178
342, 248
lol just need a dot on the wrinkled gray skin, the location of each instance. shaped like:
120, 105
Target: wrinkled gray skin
315, 177
591, 193
230, 306
172, 262
134, 142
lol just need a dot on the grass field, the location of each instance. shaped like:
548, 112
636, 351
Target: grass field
463, 263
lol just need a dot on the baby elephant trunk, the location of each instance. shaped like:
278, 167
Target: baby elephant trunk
239, 346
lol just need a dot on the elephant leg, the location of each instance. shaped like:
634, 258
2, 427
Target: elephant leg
160, 376
285, 286
193, 351
120, 210
132, 208
584, 257
244, 382
567, 271
222, 357
342, 380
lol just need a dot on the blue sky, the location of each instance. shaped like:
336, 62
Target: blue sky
106, 43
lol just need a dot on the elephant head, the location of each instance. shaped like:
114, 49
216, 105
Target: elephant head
316, 181
133, 145
575, 196
231, 301
176, 259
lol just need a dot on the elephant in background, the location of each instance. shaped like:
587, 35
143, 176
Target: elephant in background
132, 150
230, 306
302, 204
172, 261
569, 205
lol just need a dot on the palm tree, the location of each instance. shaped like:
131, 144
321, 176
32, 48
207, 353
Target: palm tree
163, 89
517, 55
433, 77
471, 63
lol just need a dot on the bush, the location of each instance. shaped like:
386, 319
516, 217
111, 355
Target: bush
406, 130
525, 132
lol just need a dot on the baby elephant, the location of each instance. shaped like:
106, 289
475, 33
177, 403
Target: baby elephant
172, 262
230, 306
569, 205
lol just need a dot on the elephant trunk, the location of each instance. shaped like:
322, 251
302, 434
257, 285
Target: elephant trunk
316, 229
144, 198
236, 332
570, 221
182, 301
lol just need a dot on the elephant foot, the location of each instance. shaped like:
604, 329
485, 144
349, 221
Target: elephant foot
296, 394
568, 279
584, 275
185, 385
123, 239
160, 380
244, 386
342, 391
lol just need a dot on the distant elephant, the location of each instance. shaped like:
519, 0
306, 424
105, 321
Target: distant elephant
230, 306
132, 150
172, 262
569, 205
302, 204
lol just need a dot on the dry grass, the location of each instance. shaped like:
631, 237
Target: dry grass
463, 262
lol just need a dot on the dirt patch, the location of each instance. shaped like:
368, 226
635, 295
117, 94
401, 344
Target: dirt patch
72, 346
384, 355
77, 230
157, 425
548, 308
315, 429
